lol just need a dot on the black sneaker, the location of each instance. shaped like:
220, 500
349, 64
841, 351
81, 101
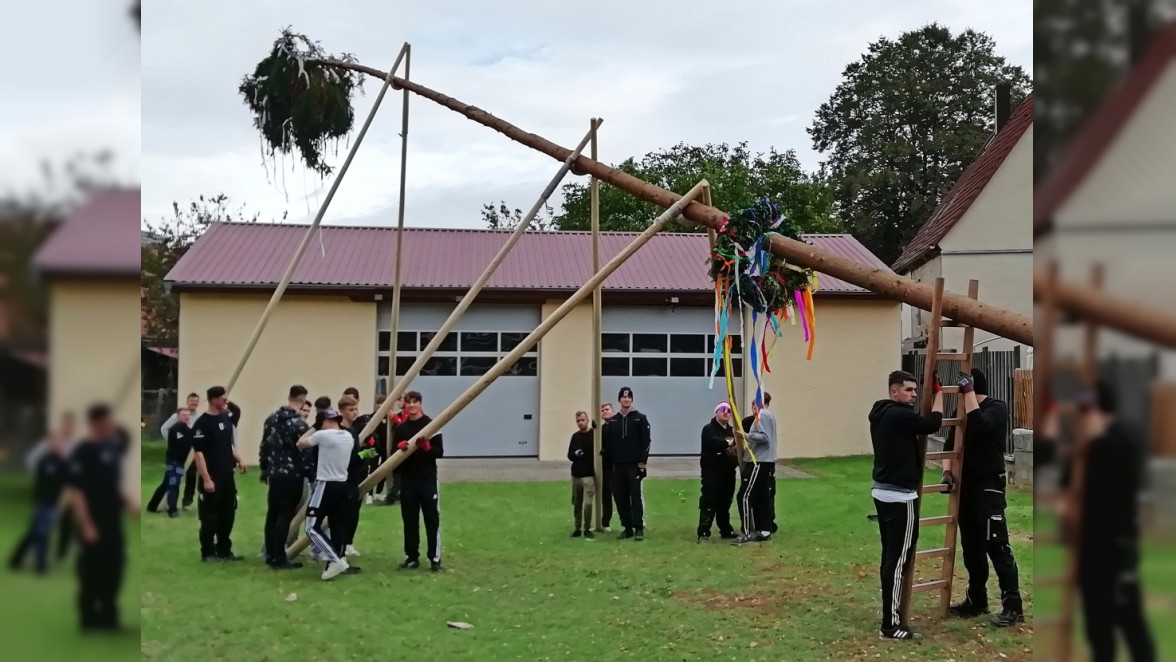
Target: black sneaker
287, 565
576, 533
968, 608
435, 566
703, 539
626, 534
231, 557
212, 559
900, 633
639, 535
173, 514
1008, 618
588, 535
353, 570
187, 505
745, 540
730, 535
409, 564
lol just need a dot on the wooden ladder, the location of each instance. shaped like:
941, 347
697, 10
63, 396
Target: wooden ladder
1071, 497
930, 365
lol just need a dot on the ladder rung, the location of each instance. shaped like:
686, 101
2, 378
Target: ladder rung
931, 553
929, 586
950, 389
950, 422
951, 357
935, 521
942, 455
1049, 580
929, 489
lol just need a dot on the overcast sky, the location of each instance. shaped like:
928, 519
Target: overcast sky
658, 72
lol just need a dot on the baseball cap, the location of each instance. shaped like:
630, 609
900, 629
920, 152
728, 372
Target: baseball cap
625, 392
328, 415
723, 405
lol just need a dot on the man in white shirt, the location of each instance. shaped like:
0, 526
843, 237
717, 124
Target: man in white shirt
329, 498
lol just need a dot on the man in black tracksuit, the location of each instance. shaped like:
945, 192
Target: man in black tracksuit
984, 531
625, 444
719, 465
1108, 568
216, 459
179, 445
418, 485
895, 428
190, 478
357, 472
52, 470
281, 466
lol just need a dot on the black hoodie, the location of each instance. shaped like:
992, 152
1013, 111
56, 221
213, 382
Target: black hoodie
583, 465
984, 449
714, 456
894, 432
625, 438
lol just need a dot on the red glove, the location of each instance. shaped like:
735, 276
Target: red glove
424, 444
371, 442
397, 419
937, 386
402, 445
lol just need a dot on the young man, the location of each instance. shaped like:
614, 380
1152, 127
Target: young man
357, 471
179, 444
626, 438
379, 441
606, 468
719, 464
583, 476
281, 463
895, 428
755, 491
97, 502
216, 458
418, 487
192, 404
52, 468
984, 532
327, 501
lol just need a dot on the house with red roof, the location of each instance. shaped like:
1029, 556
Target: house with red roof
981, 230
333, 330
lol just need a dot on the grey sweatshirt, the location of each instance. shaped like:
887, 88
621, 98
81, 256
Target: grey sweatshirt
761, 438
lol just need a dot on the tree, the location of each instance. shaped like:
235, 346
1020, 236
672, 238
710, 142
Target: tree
172, 238
905, 121
737, 177
503, 217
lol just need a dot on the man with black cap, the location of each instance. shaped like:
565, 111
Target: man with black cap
984, 531
216, 457
719, 464
328, 501
895, 428
626, 442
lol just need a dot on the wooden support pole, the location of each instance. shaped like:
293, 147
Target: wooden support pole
396, 281
597, 329
523, 347
881, 281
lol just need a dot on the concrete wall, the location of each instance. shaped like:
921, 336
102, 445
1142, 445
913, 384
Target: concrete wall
821, 405
324, 343
94, 331
565, 385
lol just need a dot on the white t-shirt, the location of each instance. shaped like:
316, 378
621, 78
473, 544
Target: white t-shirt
334, 454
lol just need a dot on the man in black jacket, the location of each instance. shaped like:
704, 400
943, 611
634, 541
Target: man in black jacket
606, 470
52, 469
626, 445
583, 476
984, 531
281, 464
895, 428
179, 444
418, 485
718, 462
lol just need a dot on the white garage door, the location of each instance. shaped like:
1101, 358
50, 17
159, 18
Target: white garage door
664, 355
504, 420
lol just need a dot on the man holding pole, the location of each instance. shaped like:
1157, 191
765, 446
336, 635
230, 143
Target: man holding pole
719, 465
418, 485
626, 442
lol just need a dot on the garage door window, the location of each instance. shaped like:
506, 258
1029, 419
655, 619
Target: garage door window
466, 353
662, 354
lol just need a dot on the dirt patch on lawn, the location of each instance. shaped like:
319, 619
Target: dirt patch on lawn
714, 601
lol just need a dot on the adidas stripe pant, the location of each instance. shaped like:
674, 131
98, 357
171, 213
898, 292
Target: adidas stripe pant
329, 501
755, 498
898, 524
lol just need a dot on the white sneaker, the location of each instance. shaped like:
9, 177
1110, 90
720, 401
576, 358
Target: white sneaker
334, 569
367, 500
350, 551
318, 558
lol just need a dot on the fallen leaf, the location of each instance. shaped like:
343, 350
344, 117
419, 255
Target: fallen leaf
292, 597
458, 625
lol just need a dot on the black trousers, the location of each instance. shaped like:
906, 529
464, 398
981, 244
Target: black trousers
984, 535
36, 539
606, 496
351, 514
173, 475
285, 494
718, 489
328, 502
419, 496
755, 497
65, 534
100, 574
191, 477
898, 525
772, 499
630, 498
218, 511
1112, 600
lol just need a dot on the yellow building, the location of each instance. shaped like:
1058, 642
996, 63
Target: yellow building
332, 330
91, 268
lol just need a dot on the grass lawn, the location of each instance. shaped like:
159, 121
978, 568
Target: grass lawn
39, 614
534, 594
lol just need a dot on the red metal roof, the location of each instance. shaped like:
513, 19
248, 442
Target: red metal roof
256, 255
966, 189
97, 239
1101, 128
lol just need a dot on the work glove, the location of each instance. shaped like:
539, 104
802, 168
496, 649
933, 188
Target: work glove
424, 444
936, 386
965, 382
367, 453
641, 473
402, 445
948, 480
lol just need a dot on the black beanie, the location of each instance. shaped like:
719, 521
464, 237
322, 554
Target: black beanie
625, 391
980, 384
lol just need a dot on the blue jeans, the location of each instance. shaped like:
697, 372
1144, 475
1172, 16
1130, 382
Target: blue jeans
172, 477
40, 529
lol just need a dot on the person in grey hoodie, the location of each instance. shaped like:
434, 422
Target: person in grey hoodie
759, 474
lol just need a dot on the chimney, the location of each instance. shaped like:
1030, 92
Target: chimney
1138, 35
1004, 93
